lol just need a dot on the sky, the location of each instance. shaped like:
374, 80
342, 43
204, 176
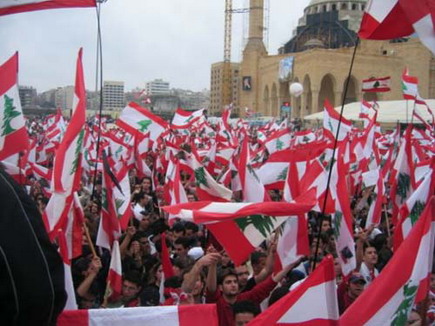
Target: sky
176, 40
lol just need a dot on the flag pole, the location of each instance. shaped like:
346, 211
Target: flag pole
99, 73
322, 217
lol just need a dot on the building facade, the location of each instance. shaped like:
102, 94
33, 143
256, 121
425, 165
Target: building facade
27, 96
216, 84
113, 95
157, 87
321, 50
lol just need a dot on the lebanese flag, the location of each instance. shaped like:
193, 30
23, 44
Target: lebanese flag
67, 163
13, 132
165, 258
376, 84
403, 282
71, 303
331, 119
136, 118
114, 277
313, 302
342, 217
278, 141
241, 227
8, 7
411, 210
381, 21
207, 188
184, 119
409, 86
252, 188
371, 178
183, 315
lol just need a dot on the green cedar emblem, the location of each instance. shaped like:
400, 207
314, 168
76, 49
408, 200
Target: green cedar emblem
104, 202
264, 224
10, 112
338, 218
200, 177
283, 174
279, 144
403, 186
77, 152
118, 204
401, 314
416, 211
144, 124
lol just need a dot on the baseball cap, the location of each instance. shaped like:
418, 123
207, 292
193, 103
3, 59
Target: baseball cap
195, 253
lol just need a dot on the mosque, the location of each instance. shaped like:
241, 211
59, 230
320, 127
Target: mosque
318, 56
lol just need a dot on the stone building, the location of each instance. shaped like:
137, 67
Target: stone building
322, 48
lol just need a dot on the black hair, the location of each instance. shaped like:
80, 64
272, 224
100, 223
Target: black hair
224, 274
255, 257
133, 277
241, 307
184, 241
191, 226
277, 294
178, 227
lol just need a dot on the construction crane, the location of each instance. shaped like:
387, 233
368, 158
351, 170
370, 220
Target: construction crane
227, 83
227, 76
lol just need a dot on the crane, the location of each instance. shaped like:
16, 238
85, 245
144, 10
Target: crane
227, 78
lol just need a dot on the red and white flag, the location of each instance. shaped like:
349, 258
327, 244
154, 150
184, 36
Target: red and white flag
389, 19
136, 118
184, 119
114, 278
8, 7
331, 120
409, 86
13, 132
241, 227
184, 315
376, 84
313, 302
412, 209
402, 283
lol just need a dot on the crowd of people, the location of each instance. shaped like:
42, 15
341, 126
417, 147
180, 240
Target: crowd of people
202, 272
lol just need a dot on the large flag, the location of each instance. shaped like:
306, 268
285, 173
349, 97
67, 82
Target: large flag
389, 19
402, 283
376, 84
313, 302
409, 86
241, 227
13, 133
184, 315
8, 7
136, 118
67, 163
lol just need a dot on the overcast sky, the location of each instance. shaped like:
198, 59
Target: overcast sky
176, 40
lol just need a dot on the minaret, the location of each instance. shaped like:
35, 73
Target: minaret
253, 52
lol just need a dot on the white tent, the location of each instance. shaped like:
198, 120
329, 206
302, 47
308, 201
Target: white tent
388, 112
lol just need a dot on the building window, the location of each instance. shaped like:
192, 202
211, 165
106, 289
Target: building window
354, 6
334, 7
324, 8
344, 6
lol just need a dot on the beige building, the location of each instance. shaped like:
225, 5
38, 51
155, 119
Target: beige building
322, 48
216, 83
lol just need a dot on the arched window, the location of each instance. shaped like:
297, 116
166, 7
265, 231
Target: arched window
334, 7
324, 8
344, 6
354, 6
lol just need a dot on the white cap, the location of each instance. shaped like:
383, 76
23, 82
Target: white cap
195, 253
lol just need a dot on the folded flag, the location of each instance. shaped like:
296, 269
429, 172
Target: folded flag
185, 315
376, 84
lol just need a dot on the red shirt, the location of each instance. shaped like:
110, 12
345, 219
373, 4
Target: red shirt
224, 309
